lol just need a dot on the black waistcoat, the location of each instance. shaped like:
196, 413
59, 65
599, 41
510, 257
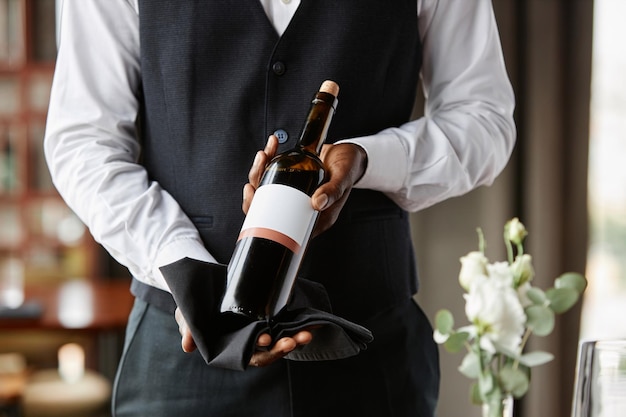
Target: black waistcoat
217, 80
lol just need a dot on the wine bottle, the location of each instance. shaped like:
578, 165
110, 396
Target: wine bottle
279, 222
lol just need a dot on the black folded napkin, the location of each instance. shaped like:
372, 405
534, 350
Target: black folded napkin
228, 340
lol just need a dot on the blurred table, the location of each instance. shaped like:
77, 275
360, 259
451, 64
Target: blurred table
11, 388
48, 395
80, 305
91, 310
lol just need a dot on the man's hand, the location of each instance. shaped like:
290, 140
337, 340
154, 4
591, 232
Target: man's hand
345, 164
280, 349
260, 358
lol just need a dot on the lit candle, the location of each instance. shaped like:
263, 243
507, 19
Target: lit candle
11, 283
75, 304
71, 362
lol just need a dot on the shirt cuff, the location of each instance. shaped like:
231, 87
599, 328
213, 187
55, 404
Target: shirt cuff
174, 251
380, 174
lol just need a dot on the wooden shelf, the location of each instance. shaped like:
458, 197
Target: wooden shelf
36, 224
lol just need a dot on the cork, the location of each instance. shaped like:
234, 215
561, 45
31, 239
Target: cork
330, 87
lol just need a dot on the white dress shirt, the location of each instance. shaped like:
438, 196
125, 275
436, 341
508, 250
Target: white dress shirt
463, 140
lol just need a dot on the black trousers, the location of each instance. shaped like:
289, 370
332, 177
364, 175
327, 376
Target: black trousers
397, 376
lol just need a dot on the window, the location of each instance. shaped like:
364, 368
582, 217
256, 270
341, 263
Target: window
605, 299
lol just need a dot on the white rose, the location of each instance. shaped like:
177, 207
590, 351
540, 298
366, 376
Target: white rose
439, 337
501, 274
472, 265
515, 231
523, 269
496, 311
522, 293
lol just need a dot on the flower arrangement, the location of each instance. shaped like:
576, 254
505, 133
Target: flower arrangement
504, 309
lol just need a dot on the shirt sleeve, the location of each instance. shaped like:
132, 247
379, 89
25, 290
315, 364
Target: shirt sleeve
91, 145
467, 133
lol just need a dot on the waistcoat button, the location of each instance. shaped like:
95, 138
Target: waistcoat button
279, 68
281, 135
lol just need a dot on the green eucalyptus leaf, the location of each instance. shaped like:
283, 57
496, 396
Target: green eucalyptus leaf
486, 384
493, 397
562, 299
456, 342
475, 397
540, 320
536, 295
444, 321
470, 366
572, 280
526, 370
535, 358
513, 380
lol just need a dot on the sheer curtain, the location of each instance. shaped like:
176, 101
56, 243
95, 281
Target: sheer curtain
547, 46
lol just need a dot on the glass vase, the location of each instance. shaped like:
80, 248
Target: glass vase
501, 408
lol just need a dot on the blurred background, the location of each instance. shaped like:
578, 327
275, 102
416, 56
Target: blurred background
63, 301
566, 182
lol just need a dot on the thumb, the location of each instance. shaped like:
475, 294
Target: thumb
187, 343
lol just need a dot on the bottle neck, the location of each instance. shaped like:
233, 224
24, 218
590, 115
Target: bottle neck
317, 123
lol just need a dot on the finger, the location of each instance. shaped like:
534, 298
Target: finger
264, 340
331, 194
321, 200
329, 199
284, 346
271, 147
329, 215
261, 159
260, 359
187, 342
178, 315
180, 320
345, 164
257, 168
248, 193
303, 338
280, 349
